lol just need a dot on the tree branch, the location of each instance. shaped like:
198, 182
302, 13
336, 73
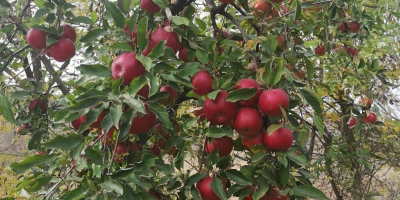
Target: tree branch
54, 74
12, 57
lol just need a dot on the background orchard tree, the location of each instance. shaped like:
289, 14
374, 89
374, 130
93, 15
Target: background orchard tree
201, 99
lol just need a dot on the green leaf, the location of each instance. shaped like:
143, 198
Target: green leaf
272, 128
137, 84
318, 124
41, 13
126, 123
212, 95
230, 43
6, 109
193, 179
115, 113
238, 177
146, 61
304, 135
162, 114
158, 50
111, 185
241, 94
284, 175
313, 99
258, 157
133, 21
202, 56
64, 142
180, 20
296, 156
115, 13
93, 35
121, 46
269, 44
74, 194
91, 94
142, 31
215, 132
28, 163
81, 19
308, 192
20, 94
161, 3
217, 187
175, 78
275, 76
310, 69
95, 156
39, 183
95, 70
298, 10
262, 188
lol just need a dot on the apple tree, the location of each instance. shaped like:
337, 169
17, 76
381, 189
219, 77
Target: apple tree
188, 99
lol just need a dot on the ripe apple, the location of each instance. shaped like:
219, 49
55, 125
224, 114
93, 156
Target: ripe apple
248, 122
68, 32
132, 35
149, 6
271, 100
143, 124
172, 97
21, 128
281, 42
62, 50
219, 37
273, 194
156, 150
371, 118
200, 112
38, 103
354, 26
320, 50
352, 122
168, 34
340, 48
219, 111
202, 83
365, 102
162, 142
36, 39
224, 146
253, 141
77, 123
120, 152
300, 74
249, 83
343, 27
149, 48
160, 130
171, 152
154, 194
261, 9
97, 123
127, 66
205, 190
353, 51
277, 13
279, 140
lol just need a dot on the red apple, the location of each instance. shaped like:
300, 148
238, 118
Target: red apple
154, 194
120, 152
271, 100
365, 102
62, 50
171, 152
205, 190
132, 35
273, 194
144, 92
127, 66
97, 123
200, 113
68, 32
281, 42
21, 128
249, 83
248, 122
352, 122
77, 123
320, 50
36, 39
202, 83
183, 54
143, 124
277, 13
224, 146
371, 118
353, 51
149, 6
340, 47
172, 97
261, 9
343, 27
219, 111
166, 33
38, 103
162, 142
253, 141
156, 150
279, 140
354, 26
160, 130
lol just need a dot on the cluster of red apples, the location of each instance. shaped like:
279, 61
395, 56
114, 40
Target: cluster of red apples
62, 50
369, 119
